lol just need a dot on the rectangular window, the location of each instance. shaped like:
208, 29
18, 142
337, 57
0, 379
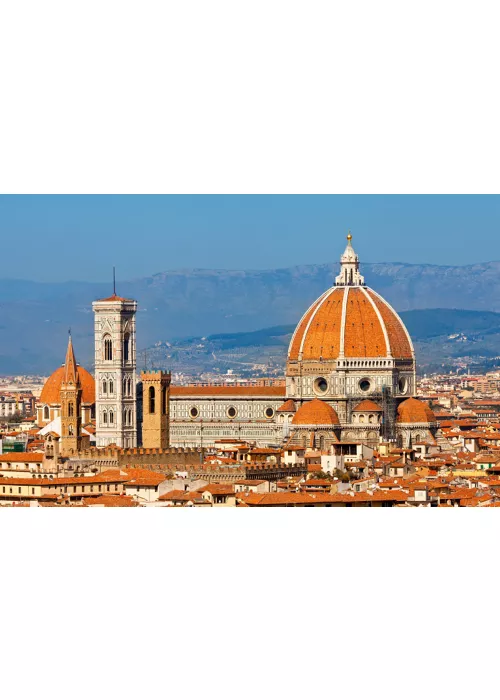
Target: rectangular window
33, 491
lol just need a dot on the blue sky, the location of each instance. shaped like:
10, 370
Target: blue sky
61, 237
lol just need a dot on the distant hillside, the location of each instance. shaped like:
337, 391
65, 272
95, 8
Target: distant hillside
35, 317
277, 335
423, 324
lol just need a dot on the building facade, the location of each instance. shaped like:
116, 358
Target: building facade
200, 415
350, 351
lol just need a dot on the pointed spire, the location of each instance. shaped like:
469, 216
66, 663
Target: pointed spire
349, 267
70, 367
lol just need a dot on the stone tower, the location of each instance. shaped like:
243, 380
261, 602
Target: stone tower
71, 396
115, 371
155, 408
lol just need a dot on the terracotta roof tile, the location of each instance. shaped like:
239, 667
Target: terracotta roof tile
367, 405
316, 412
52, 387
415, 411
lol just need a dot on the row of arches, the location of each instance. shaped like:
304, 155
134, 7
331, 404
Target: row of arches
108, 386
364, 363
364, 418
108, 417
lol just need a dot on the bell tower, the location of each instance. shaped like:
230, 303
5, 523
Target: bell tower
155, 409
115, 371
71, 398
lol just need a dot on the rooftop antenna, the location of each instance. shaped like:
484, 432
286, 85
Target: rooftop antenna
114, 281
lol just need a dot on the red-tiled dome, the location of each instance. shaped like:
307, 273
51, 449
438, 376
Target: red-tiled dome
52, 387
350, 322
415, 411
316, 412
367, 405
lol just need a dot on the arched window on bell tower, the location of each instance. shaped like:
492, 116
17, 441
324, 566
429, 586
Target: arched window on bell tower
46, 414
104, 386
126, 347
151, 399
164, 400
108, 347
71, 409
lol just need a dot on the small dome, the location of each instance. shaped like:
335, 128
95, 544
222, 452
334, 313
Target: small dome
316, 412
287, 407
368, 405
52, 387
415, 411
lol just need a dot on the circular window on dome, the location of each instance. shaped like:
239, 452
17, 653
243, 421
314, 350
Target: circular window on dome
269, 412
320, 385
193, 412
231, 412
365, 385
403, 385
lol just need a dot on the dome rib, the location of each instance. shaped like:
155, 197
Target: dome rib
381, 321
363, 332
296, 341
322, 335
400, 341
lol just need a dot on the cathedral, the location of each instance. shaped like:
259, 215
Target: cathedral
350, 377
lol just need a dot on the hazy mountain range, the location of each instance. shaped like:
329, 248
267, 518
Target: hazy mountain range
35, 317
